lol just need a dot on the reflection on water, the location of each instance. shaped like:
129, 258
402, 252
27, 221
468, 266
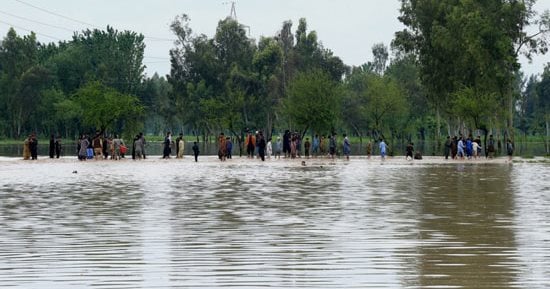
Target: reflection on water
247, 224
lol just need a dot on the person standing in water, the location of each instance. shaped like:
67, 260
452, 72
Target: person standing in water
347, 147
52, 146
448, 145
409, 151
222, 147
261, 145
167, 142
278, 148
137, 153
383, 148
58, 146
509, 149
27, 148
369, 150
269, 149
460, 147
178, 145
181, 146
307, 146
196, 151
315, 147
332, 145
228, 147
83, 146
33, 145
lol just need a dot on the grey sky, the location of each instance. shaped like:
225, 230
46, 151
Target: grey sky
348, 27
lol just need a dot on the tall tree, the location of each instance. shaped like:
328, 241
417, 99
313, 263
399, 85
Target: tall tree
105, 108
113, 57
465, 45
19, 74
542, 104
381, 55
313, 102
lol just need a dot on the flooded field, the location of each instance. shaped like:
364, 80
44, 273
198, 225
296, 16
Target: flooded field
357, 224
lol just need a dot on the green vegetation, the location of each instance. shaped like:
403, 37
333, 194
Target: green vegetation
453, 69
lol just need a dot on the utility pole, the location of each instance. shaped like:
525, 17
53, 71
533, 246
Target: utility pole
233, 14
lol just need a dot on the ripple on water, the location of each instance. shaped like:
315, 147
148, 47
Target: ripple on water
355, 224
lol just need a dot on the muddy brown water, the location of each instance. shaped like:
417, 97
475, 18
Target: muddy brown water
246, 224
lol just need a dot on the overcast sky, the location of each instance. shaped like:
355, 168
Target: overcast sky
348, 27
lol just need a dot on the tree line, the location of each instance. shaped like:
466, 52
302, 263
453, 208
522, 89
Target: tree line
454, 69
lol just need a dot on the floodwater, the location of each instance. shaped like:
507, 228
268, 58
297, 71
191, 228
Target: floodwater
248, 224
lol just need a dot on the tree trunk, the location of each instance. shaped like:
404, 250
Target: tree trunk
240, 141
438, 127
269, 125
547, 136
510, 121
485, 134
358, 133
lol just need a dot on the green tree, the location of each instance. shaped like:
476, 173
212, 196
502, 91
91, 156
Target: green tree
355, 102
105, 108
541, 114
386, 103
469, 44
404, 71
114, 57
19, 77
313, 102
268, 65
155, 96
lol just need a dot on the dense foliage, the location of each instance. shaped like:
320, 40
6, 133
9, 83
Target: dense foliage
454, 69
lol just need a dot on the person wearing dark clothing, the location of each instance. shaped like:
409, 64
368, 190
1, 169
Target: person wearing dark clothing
454, 147
250, 144
136, 138
52, 146
509, 149
410, 150
478, 141
448, 146
196, 151
167, 142
106, 147
33, 145
307, 146
229, 147
142, 143
298, 144
286, 143
332, 145
90, 149
261, 146
58, 146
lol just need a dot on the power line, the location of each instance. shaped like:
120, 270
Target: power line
56, 14
165, 59
41, 23
26, 29
85, 23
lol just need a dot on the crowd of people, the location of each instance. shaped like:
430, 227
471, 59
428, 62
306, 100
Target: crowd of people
469, 148
100, 146
257, 145
290, 146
